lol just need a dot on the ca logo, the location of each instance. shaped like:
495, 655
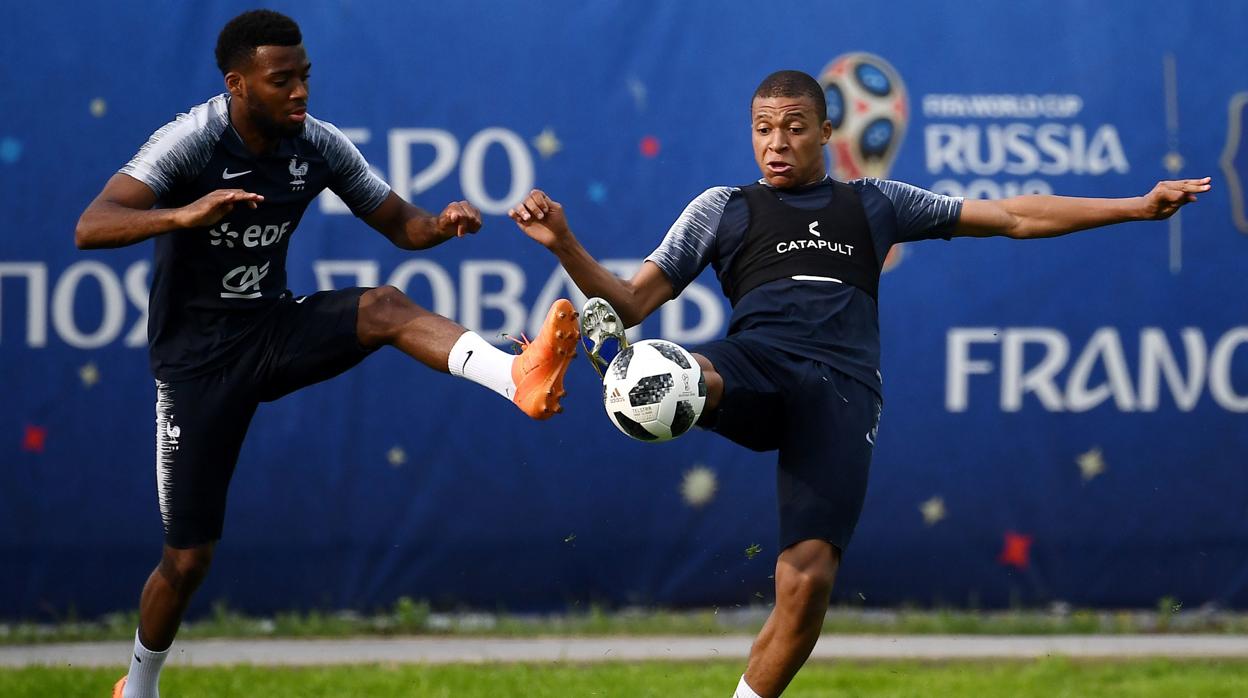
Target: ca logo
244, 281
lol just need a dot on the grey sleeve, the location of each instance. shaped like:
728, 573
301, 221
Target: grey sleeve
690, 242
180, 149
921, 214
359, 187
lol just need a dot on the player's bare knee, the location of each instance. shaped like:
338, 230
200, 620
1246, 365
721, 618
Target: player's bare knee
383, 310
705, 364
808, 573
714, 381
383, 301
804, 587
186, 568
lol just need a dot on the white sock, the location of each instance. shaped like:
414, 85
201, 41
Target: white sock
144, 678
482, 363
744, 690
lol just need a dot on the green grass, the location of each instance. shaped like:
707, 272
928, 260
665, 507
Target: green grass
1050, 678
408, 617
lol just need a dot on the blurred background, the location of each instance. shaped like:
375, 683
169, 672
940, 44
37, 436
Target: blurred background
1064, 420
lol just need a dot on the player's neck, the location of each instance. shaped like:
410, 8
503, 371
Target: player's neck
252, 137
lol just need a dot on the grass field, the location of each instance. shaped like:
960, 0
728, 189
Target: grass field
1049, 678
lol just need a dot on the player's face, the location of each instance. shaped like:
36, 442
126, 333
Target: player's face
789, 140
274, 88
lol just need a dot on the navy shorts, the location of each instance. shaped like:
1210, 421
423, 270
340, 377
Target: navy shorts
822, 422
201, 422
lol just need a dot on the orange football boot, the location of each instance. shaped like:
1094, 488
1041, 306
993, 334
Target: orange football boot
538, 370
120, 687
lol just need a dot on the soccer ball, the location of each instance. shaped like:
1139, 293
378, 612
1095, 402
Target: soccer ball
868, 108
654, 390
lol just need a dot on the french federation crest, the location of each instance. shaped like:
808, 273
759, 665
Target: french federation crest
1235, 160
297, 171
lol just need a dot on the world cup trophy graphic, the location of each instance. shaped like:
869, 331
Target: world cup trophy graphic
869, 109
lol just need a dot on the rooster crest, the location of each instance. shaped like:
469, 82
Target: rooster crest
297, 171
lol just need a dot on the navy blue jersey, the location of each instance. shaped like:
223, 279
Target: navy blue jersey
810, 317
212, 286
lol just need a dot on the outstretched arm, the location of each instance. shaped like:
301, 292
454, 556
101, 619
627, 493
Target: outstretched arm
1038, 216
413, 228
122, 214
542, 219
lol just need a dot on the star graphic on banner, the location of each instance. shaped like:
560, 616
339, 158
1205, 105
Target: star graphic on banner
650, 146
933, 510
90, 374
637, 89
34, 438
396, 456
547, 143
698, 486
1173, 162
98, 107
1016, 552
1091, 464
597, 192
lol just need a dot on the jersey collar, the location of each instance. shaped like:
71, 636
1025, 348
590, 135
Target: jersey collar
286, 147
827, 179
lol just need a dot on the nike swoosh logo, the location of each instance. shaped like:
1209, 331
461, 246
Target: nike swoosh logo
226, 174
138, 659
468, 356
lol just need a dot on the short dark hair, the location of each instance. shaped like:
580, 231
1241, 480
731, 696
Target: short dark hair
242, 35
793, 83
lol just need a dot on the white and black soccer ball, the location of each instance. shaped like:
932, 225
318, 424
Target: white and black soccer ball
654, 390
869, 109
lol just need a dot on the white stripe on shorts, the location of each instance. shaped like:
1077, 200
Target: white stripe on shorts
167, 435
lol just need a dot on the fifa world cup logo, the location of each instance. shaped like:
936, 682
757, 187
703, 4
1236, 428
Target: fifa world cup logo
869, 109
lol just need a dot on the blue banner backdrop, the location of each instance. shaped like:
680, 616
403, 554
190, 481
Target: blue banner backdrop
1064, 420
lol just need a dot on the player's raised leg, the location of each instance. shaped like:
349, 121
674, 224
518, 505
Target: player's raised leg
533, 379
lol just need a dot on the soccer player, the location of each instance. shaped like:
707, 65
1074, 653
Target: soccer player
799, 255
222, 189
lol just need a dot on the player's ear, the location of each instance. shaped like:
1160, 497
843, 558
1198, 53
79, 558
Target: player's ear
825, 132
235, 84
